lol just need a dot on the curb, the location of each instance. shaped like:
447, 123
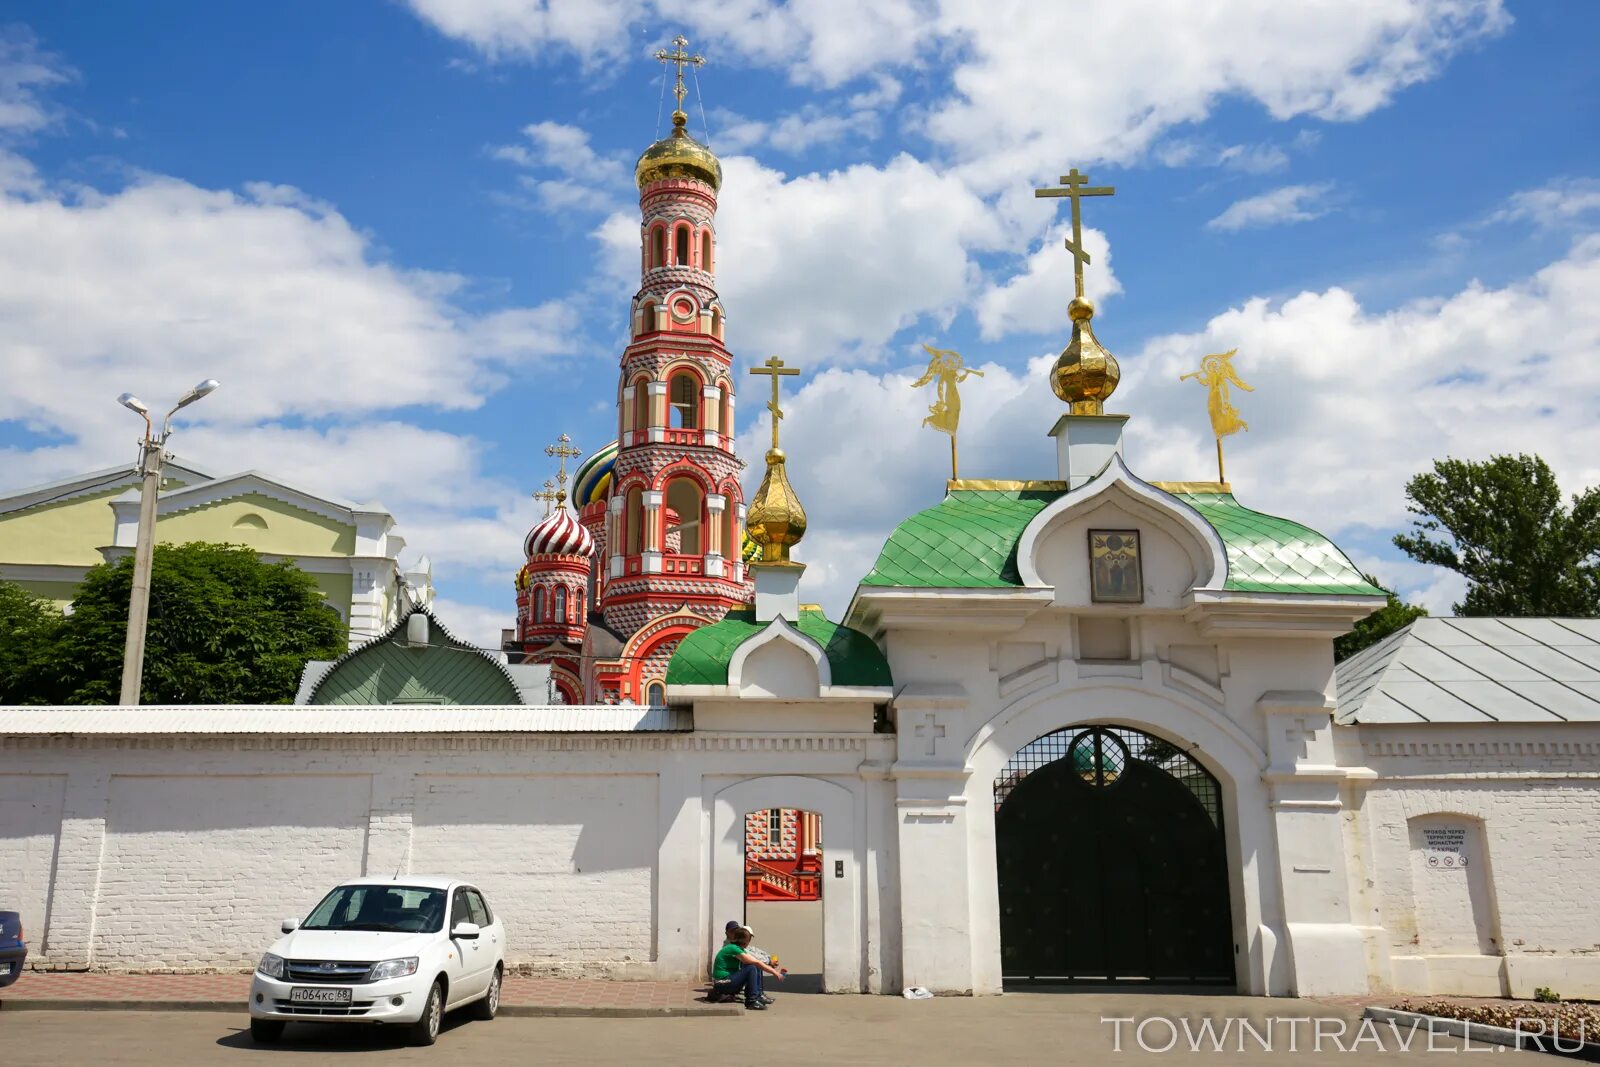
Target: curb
507, 1010
1481, 1033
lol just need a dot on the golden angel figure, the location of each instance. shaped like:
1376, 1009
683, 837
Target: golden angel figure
1216, 373
948, 368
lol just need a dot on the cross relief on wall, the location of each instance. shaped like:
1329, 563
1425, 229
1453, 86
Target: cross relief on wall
1298, 734
931, 731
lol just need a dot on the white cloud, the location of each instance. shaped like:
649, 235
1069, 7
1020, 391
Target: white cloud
1035, 301
474, 623
161, 283
1290, 203
574, 176
25, 71
1141, 67
793, 133
829, 267
1560, 203
1138, 67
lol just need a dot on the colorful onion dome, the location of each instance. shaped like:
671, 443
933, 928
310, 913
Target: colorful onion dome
559, 534
592, 481
748, 549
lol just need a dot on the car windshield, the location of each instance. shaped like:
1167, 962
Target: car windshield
403, 908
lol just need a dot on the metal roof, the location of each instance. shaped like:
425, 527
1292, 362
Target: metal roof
317, 720
1476, 670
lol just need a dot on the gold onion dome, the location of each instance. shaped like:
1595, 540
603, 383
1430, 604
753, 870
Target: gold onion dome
775, 520
678, 156
1085, 374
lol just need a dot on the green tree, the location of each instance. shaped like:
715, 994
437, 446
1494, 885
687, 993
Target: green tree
27, 625
1394, 615
225, 628
1501, 525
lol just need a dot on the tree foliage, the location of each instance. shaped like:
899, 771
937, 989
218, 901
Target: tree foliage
225, 628
27, 626
1501, 525
1395, 615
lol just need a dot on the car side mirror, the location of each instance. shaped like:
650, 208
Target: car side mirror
466, 931
289, 926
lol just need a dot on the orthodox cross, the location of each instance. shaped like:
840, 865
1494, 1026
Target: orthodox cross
564, 451
1076, 186
548, 495
680, 56
773, 368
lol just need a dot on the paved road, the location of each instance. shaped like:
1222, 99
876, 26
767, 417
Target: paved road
1017, 1028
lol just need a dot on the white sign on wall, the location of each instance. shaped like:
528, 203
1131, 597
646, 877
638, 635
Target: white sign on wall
1444, 847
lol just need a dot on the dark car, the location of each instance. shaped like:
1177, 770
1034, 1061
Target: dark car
12, 950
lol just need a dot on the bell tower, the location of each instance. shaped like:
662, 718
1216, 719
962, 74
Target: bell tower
674, 510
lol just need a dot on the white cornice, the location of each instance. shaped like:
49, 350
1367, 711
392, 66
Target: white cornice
990, 610
94, 482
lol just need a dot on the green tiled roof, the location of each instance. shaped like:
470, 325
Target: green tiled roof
969, 540
702, 658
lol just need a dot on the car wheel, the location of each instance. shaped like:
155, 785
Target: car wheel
425, 1031
486, 1008
265, 1031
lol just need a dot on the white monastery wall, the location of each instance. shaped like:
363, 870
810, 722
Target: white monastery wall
1520, 805
30, 824
600, 852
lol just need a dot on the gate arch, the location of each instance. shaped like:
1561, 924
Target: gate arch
1111, 861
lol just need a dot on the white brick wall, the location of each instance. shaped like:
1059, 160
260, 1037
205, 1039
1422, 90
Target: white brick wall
566, 860
30, 821
199, 871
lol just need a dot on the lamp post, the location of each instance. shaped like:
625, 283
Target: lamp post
152, 450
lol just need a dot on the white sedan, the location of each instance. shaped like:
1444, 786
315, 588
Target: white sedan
394, 952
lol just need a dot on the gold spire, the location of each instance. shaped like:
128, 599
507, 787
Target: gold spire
1216, 373
564, 451
775, 520
1085, 374
679, 155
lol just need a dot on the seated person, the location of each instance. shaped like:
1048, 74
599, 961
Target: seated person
736, 971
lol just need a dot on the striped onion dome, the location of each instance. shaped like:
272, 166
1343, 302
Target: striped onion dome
559, 534
593, 478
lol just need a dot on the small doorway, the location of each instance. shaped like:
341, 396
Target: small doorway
1112, 862
783, 887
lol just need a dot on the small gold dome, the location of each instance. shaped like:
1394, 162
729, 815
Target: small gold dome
678, 156
775, 519
1085, 374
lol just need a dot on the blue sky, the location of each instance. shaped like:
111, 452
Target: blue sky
402, 235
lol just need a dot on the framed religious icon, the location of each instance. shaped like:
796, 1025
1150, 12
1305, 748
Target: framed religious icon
1115, 576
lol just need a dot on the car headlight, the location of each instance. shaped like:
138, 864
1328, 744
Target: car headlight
393, 969
271, 966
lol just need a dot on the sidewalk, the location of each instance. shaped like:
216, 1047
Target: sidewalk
60, 991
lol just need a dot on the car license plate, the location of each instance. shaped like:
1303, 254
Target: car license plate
318, 995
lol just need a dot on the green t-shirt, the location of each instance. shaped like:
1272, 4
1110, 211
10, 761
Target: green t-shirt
727, 961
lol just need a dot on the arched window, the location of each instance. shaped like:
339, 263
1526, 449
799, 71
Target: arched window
561, 604
724, 410
682, 257
658, 246
716, 323
685, 400
538, 605
641, 403
731, 549
634, 515
655, 694
705, 250
685, 497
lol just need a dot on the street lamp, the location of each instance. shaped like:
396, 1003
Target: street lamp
152, 450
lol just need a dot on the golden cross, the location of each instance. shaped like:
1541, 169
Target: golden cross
1077, 185
773, 368
548, 495
563, 449
681, 57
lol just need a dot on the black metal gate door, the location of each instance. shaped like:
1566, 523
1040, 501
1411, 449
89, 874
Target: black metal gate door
1111, 862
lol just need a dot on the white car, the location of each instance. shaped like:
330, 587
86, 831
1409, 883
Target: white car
394, 952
